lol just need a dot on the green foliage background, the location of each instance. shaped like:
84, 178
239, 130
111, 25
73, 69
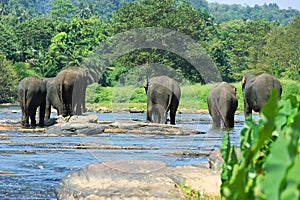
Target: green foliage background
43, 37
193, 96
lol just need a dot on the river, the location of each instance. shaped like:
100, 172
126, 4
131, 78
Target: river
35, 164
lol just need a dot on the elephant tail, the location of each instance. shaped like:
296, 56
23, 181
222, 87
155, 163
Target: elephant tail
23, 97
221, 114
169, 102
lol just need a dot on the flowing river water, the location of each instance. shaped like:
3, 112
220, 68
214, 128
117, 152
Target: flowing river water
33, 165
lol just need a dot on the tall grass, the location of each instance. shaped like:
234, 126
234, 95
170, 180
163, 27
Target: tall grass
192, 96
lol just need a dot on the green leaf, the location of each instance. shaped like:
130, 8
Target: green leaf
292, 184
276, 166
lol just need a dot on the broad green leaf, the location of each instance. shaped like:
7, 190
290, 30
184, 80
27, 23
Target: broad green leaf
276, 166
291, 190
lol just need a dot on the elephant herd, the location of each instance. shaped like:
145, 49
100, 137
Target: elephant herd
66, 93
222, 99
163, 95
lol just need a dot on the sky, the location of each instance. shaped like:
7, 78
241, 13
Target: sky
283, 4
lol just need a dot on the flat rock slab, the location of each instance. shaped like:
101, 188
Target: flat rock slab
134, 179
148, 128
75, 128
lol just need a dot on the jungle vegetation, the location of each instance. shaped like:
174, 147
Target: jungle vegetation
42, 37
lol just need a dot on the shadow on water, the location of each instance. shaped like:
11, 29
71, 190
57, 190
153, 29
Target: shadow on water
31, 166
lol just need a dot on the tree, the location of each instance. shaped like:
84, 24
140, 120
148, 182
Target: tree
62, 10
238, 46
8, 80
170, 14
281, 51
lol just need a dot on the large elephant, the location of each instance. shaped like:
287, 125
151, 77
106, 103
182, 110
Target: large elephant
32, 94
257, 89
222, 104
71, 84
52, 97
163, 95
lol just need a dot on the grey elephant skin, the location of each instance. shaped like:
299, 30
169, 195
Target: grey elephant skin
52, 97
32, 94
222, 104
71, 85
257, 89
163, 95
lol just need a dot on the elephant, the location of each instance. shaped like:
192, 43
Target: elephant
52, 97
257, 89
222, 104
32, 94
71, 85
163, 95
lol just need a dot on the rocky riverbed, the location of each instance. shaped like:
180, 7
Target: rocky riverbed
111, 145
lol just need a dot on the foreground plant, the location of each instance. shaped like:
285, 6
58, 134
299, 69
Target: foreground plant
269, 162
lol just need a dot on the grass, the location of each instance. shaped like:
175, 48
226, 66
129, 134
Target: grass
192, 96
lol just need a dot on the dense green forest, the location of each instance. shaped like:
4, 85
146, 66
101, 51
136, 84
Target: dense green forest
42, 37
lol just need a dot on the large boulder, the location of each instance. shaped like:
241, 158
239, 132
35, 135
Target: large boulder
119, 180
137, 179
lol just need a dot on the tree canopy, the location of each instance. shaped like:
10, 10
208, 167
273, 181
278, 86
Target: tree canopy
42, 37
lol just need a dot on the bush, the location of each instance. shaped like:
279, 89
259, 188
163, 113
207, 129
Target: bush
8, 81
269, 162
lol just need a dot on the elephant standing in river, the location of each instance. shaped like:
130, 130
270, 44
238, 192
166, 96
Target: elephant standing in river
163, 95
32, 94
52, 97
71, 84
222, 104
257, 89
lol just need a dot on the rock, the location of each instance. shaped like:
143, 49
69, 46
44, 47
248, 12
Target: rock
78, 119
6, 172
136, 179
148, 128
73, 128
119, 180
136, 110
74, 118
192, 111
215, 159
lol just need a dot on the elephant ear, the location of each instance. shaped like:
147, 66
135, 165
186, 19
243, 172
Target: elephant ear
243, 82
146, 85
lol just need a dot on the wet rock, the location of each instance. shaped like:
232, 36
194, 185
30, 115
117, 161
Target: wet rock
136, 179
6, 172
74, 119
136, 110
148, 128
215, 159
73, 128
119, 180
192, 111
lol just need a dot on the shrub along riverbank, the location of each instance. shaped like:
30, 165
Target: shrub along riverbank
192, 96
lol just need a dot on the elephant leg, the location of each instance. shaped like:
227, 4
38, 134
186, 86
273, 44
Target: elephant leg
42, 115
70, 109
229, 122
25, 116
247, 109
173, 109
172, 116
32, 112
216, 120
47, 111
